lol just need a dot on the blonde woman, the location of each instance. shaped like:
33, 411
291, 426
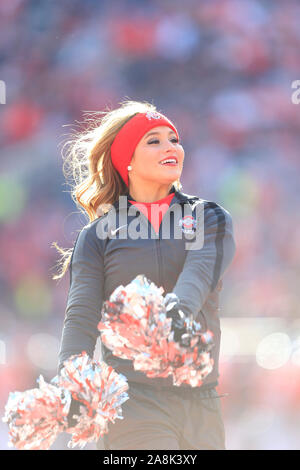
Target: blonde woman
135, 152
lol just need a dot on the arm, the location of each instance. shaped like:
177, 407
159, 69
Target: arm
204, 268
85, 297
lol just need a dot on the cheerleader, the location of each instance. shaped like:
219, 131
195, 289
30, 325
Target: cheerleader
133, 154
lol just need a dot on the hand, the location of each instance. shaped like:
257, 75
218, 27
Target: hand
172, 305
74, 410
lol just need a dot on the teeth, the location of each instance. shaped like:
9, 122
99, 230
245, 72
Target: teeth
171, 160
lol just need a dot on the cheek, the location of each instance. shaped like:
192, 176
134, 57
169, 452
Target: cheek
149, 155
181, 154
145, 160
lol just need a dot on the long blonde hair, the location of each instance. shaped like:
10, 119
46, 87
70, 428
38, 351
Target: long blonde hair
87, 163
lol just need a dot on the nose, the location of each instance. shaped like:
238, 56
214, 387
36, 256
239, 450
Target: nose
168, 145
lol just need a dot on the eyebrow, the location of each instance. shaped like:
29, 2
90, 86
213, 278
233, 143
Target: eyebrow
155, 133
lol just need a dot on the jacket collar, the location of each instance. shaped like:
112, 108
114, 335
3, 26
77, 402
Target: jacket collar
179, 197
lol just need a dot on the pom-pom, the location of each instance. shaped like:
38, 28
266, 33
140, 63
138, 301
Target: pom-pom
100, 390
36, 417
135, 326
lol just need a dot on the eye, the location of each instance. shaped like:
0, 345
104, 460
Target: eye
156, 141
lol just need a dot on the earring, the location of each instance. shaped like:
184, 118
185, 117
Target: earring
129, 168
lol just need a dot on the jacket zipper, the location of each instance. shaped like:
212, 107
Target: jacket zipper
159, 254
159, 257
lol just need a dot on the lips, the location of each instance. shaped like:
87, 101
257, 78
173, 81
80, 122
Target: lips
169, 158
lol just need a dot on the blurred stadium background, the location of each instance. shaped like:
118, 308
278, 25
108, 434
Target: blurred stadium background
222, 70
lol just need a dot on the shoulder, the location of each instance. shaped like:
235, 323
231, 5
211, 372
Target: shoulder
216, 215
88, 236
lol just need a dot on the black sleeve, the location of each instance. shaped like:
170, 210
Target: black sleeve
85, 297
204, 267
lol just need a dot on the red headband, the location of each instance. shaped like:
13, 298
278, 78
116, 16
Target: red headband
128, 137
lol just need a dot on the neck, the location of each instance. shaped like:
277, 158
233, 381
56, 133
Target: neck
146, 194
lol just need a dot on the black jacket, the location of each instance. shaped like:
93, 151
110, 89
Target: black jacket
101, 262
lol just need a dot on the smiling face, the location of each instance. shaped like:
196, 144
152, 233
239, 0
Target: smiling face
159, 144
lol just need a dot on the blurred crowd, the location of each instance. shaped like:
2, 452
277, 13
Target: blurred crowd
222, 71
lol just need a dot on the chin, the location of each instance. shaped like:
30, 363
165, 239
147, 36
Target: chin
168, 182
165, 179
168, 179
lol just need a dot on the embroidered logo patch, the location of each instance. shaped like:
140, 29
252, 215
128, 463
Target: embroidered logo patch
188, 224
153, 115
